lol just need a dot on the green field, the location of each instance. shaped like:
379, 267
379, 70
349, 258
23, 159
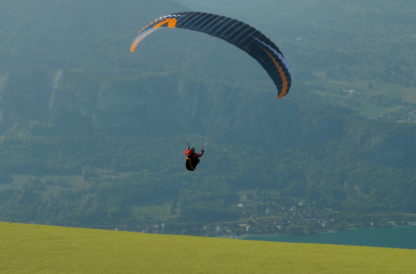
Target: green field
48, 249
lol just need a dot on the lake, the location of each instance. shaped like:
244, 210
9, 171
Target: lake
396, 237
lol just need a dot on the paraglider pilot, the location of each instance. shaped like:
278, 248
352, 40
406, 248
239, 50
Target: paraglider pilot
192, 158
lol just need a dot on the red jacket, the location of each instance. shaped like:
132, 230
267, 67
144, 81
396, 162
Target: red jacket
188, 152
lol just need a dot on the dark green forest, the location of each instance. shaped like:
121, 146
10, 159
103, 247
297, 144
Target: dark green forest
93, 136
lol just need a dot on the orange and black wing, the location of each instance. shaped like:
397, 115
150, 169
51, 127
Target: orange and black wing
243, 36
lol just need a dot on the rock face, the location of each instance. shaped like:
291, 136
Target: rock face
49, 97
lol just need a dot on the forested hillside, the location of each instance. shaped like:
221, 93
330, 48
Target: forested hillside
92, 135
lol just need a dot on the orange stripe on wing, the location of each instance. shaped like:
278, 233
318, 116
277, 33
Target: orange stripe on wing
171, 22
140, 38
135, 44
285, 84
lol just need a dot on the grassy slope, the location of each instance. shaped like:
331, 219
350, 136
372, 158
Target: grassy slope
36, 248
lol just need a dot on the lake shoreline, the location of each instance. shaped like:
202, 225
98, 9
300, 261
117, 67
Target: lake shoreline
391, 237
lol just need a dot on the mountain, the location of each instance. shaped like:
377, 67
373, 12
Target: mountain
92, 135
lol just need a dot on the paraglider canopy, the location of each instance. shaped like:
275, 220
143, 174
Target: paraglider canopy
243, 36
